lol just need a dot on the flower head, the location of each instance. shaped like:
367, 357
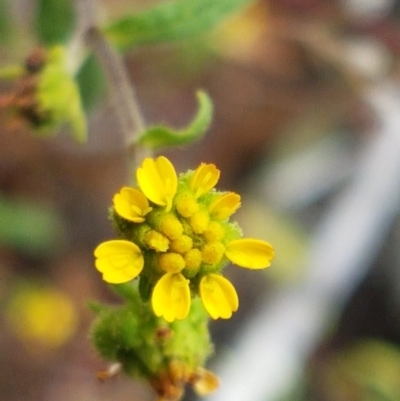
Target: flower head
178, 238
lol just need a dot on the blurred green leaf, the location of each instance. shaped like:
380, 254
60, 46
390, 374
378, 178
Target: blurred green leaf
55, 21
29, 227
160, 136
58, 97
5, 22
171, 21
91, 82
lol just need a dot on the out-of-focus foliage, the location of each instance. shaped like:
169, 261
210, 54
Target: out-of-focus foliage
5, 22
290, 240
171, 21
91, 81
368, 370
31, 228
161, 136
55, 21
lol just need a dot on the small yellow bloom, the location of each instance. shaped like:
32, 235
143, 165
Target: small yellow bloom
186, 205
131, 204
171, 297
250, 253
193, 259
212, 252
158, 181
171, 262
181, 245
219, 296
119, 261
199, 221
171, 227
157, 241
204, 179
42, 316
224, 206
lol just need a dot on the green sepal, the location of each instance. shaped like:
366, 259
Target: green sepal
96, 307
145, 288
161, 136
171, 21
125, 290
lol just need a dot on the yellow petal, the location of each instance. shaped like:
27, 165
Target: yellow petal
219, 296
171, 297
119, 261
250, 253
224, 206
131, 204
204, 179
158, 181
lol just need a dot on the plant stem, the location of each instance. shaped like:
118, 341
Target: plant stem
123, 95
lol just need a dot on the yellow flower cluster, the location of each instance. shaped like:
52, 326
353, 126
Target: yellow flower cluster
176, 237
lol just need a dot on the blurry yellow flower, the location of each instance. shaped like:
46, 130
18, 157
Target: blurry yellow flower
219, 296
131, 204
42, 315
224, 206
204, 179
171, 297
158, 181
250, 253
119, 261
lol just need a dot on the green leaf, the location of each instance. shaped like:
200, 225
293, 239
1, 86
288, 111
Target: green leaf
160, 136
55, 21
171, 21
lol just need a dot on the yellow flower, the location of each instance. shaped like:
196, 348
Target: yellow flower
158, 181
250, 253
182, 230
224, 206
204, 179
119, 261
171, 297
219, 296
41, 315
131, 204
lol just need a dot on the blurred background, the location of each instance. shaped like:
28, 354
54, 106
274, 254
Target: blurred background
306, 128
